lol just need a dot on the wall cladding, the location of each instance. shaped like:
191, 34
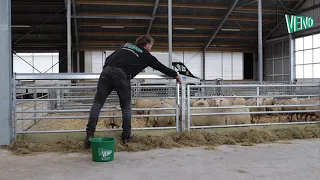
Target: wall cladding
277, 61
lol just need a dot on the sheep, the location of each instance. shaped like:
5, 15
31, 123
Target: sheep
240, 118
315, 108
172, 102
268, 102
205, 120
290, 102
253, 102
239, 101
201, 103
113, 121
142, 103
210, 101
220, 102
161, 121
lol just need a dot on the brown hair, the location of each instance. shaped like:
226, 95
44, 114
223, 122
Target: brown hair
143, 40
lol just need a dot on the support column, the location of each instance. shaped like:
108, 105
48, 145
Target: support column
260, 53
5, 73
170, 31
203, 65
70, 69
292, 62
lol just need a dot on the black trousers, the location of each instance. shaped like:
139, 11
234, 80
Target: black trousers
112, 78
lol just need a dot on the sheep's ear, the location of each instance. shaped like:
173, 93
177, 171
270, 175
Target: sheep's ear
221, 100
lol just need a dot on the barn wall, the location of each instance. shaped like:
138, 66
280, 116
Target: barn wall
277, 60
277, 53
225, 65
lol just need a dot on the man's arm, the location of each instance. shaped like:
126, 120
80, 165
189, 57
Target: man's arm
155, 64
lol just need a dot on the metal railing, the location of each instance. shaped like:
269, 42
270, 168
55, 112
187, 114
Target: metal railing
223, 114
61, 103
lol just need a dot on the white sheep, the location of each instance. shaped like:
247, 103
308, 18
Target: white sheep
161, 121
253, 102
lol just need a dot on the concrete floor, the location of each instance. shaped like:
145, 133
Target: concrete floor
299, 160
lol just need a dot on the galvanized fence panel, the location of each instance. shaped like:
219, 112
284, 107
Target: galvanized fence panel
223, 114
64, 106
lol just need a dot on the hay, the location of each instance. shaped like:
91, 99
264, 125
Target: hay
73, 124
193, 138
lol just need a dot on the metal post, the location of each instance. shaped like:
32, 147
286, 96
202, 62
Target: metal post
78, 61
170, 31
177, 106
188, 109
76, 34
5, 73
292, 62
70, 69
183, 107
204, 65
260, 53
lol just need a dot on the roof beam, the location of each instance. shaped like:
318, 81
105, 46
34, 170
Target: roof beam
199, 26
153, 15
221, 24
299, 4
146, 16
197, 49
128, 34
174, 5
45, 21
165, 43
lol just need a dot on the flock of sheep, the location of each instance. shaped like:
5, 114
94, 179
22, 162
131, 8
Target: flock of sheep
220, 119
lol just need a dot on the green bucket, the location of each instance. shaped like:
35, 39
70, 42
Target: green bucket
102, 149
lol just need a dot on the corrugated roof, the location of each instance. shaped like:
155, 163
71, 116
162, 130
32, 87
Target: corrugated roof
203, 15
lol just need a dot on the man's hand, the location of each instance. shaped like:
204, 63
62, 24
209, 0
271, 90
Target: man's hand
178, 78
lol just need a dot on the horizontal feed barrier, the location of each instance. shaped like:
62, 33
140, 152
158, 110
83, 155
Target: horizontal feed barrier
62, 104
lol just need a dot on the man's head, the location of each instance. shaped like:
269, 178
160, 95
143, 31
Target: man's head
145, 41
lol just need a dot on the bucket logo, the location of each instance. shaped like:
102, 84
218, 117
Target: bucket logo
104, 152
298, 23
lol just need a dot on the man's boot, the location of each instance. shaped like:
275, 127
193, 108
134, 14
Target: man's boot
87, 144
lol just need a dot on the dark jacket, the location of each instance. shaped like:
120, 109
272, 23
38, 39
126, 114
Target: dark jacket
132, 59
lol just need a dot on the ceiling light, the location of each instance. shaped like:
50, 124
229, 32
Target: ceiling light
230, 29
182, 28
113, 27
20, 26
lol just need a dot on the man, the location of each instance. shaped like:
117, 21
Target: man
121, 66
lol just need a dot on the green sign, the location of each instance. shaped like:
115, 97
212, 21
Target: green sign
298, 23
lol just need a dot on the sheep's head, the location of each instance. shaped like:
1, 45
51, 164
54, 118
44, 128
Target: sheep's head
218, 102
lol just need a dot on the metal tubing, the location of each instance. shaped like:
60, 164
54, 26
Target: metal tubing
222, 22
254, 96
39, 26
177, 107
260, 53
85, 117
282, 20
153, 15
188, 109
183, 107
260, 124
292, 61
70, 68
113, 17
14, 108
77, 76
97, 130
203, 64
5, 73
170, 31
88, 110
259, 112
